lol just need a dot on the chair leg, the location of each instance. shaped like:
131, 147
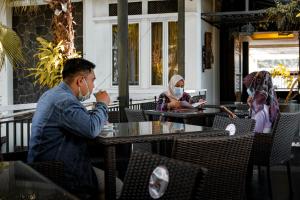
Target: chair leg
288, 168
269, 182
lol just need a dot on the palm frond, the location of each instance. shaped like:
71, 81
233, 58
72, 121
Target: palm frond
10, 45
21, 6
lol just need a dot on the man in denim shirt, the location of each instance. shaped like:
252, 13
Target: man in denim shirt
61, 124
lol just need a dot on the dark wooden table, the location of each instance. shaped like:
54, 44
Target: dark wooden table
138, 132
19, 181
202, 117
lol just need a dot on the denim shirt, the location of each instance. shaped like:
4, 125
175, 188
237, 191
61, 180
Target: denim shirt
60, 127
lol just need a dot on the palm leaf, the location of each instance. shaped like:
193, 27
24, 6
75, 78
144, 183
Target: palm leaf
10, 46
21, 6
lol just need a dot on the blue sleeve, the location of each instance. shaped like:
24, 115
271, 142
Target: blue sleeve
76, 119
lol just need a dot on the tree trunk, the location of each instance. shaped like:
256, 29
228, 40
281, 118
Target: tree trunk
62, 24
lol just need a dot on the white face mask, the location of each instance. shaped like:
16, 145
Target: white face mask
250, 92
85, 97
178, 92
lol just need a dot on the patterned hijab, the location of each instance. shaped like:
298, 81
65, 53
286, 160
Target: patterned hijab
264, 93
173, 81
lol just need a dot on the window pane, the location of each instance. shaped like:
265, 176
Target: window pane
133, 54
156, 60
173, 65
265, 57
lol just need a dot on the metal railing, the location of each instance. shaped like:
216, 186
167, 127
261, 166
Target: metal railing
15, 129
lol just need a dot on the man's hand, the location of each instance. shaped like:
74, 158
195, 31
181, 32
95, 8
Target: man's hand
102, 96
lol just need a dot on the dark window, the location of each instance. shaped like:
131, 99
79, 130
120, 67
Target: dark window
134, 8
167, 6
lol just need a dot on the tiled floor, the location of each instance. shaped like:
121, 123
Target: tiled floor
259, 187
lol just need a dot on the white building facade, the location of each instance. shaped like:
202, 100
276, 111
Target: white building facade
152, 34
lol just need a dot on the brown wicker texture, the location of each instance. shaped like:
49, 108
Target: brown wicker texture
182, 177
54, 170
226, 159
113, 116
275, 149
242, 125
148, 106
135, 115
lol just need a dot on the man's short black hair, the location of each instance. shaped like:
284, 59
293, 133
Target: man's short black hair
75, 65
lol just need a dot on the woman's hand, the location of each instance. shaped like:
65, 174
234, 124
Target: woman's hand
202, 102
250, 101
174, 104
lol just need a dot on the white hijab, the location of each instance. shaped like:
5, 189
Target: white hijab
170, 93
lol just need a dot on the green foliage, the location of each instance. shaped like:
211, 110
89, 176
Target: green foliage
48, 72
10, 46
284, 15
282, 71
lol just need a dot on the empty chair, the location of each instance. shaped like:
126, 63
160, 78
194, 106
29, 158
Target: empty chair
113, 116
138, 116
275, 148
135, 115
182, 177
148, 106
226, 159
241, 125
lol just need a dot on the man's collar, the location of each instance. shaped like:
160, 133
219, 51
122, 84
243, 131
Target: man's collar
66, 87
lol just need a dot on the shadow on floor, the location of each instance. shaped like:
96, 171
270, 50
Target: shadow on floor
259, 187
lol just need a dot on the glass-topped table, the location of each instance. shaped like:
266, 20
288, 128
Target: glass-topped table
135, 132
188, 116
19, 181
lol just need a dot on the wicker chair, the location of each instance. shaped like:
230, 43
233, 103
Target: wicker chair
54, 170
275, 149
226, 159
148, 106
113, 117
242, 125
2, 141
182, 177
135, 115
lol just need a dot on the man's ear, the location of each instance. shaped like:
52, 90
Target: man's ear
78, 80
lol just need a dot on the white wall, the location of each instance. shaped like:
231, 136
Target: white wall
6, 74
98, 42
210, 78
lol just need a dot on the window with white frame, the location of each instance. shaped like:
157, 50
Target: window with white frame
133, 54
157, 52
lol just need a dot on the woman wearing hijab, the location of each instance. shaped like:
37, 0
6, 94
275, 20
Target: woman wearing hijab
175, 97
262, 100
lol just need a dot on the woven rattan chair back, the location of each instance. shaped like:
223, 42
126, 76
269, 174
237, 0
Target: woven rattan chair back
54, 170
226, 159
182, 177
242, 125
283, 137
135, 115
148, 106
113, 116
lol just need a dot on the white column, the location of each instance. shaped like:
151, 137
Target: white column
145, 55
6, 74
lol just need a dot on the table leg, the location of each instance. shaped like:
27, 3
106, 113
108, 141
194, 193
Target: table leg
110, 172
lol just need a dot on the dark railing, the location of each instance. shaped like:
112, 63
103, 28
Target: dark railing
15, 131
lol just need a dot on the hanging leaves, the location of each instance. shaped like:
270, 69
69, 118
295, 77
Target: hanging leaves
51, 56
284, 15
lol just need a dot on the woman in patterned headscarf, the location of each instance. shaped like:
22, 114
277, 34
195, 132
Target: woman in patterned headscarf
262, 100
175, 97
